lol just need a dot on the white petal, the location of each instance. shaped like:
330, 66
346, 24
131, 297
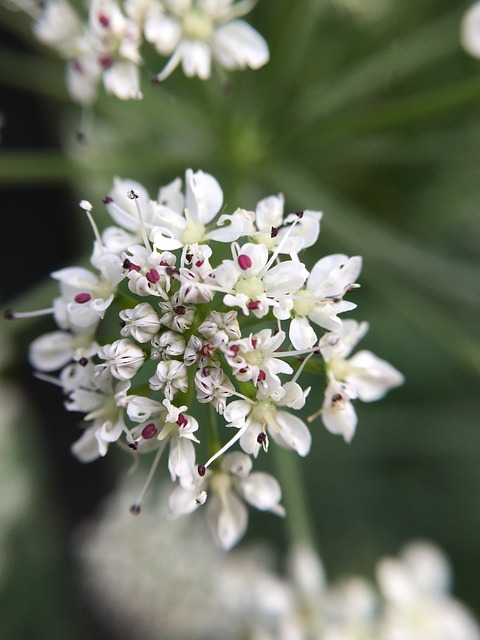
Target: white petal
237, 463
122, 79
294, 433
333, 273
182, 501
86, 447
52, 351
269, 212
164, 32
285, 277
203, 195
123, 209
262, 491
371, 376
196, 59
227, 519
181, 460
237, 45
338, 414
301, 334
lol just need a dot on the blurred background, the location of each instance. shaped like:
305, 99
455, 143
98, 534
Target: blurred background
368, 110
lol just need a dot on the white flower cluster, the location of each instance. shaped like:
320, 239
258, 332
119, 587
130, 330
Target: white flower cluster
247, 599
191, 33
470, 30
232, 333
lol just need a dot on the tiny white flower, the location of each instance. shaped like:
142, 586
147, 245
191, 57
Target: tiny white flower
123, 358
141, 323
170, 376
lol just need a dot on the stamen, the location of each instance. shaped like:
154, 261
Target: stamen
281, 245
82, 298
134, 196
149, 431
87, 207
136, 506
302, 366
9, 314
201, 470
230, 443
244, 261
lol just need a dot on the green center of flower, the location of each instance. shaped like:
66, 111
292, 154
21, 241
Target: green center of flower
194, 230
252, 287
254, 357
197, 25
266, 239
340, 368
265, 412
303, 304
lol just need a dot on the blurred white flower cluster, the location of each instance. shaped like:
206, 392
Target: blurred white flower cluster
470, 30
106, 47
239, 596
197, 328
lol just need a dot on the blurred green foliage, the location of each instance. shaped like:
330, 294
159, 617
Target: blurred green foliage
369, 111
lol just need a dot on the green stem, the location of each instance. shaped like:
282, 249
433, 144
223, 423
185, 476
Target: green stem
298, 521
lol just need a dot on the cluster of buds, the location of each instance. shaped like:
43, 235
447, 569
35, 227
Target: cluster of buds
231, 333
106, 47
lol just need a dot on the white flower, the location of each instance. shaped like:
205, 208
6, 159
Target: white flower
253, 284
227, 515
141, 322
363, 376
103, 408
168, 344
195, 32
123, 358
179, 429
272, 226
322, 298
255, 420
170, 376
220, 328
54, 350
470, 30
254, 359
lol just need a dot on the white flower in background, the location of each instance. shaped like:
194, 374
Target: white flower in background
470, 30
418, 605
195, 32
363, 376
59, 26
240, 595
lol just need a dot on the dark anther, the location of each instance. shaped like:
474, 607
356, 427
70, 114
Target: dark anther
135, 509
261, 438
201, 470
133, 445
180, 309
299, 214
273, 232
107, 200
336, 398
8, 314
188, 257
155, 80
83, 362
132, 195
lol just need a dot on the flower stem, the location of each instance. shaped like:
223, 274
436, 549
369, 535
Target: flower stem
298, 522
